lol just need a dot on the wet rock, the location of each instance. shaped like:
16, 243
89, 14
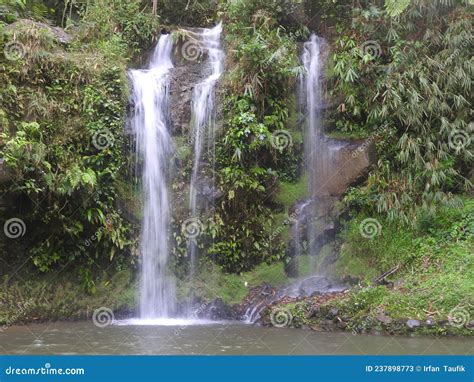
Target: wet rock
4, 172
384, 319
217, 309
183, 79
350, 280
314, 284
350, 161
313, 311
430, 322
333, 312
257, 299
328, 324
444, 323
341, 324
412, 324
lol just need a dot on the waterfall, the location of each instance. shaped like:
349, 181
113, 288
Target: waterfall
317, 154
204, 123
153, 146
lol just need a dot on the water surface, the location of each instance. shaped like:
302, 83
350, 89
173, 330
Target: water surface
220, 338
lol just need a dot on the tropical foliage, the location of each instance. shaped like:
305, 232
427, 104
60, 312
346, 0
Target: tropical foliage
402, 65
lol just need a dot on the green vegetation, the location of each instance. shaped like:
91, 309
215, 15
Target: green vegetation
432, 279
402, 65
264, 65
409, 73
58, 296
213, 282
435, 267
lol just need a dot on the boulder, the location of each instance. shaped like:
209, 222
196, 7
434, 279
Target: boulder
384, 319
59, 34
217, 309
347, 163
412, 324
314, 284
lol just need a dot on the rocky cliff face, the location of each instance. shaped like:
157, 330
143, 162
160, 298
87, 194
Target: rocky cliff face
184, 76
350, 163
316, 220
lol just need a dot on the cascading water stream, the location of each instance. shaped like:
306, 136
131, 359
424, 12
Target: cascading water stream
153, 146
317, 155
316, 159
203, 121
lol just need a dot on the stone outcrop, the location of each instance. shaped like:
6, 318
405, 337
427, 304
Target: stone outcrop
350, 162
316, 220
59, 34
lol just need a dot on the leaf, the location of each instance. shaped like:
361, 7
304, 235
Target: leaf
89, 177
395, 7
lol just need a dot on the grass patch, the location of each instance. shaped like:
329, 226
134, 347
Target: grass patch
213, 283
289, 193
436, 275
49, 298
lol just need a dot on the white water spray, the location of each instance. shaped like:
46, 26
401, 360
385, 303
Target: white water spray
203, 119
317, 154
150, 125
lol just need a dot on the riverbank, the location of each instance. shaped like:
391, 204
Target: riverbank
409, 280
404, 281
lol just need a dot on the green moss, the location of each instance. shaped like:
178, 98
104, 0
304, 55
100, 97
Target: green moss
349, 135
183, 149
348, 265
288, 193
435, 275
212, 282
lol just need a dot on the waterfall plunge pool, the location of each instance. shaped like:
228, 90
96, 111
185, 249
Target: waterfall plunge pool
225, 338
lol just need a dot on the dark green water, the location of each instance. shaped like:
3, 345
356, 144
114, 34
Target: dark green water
224, 338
